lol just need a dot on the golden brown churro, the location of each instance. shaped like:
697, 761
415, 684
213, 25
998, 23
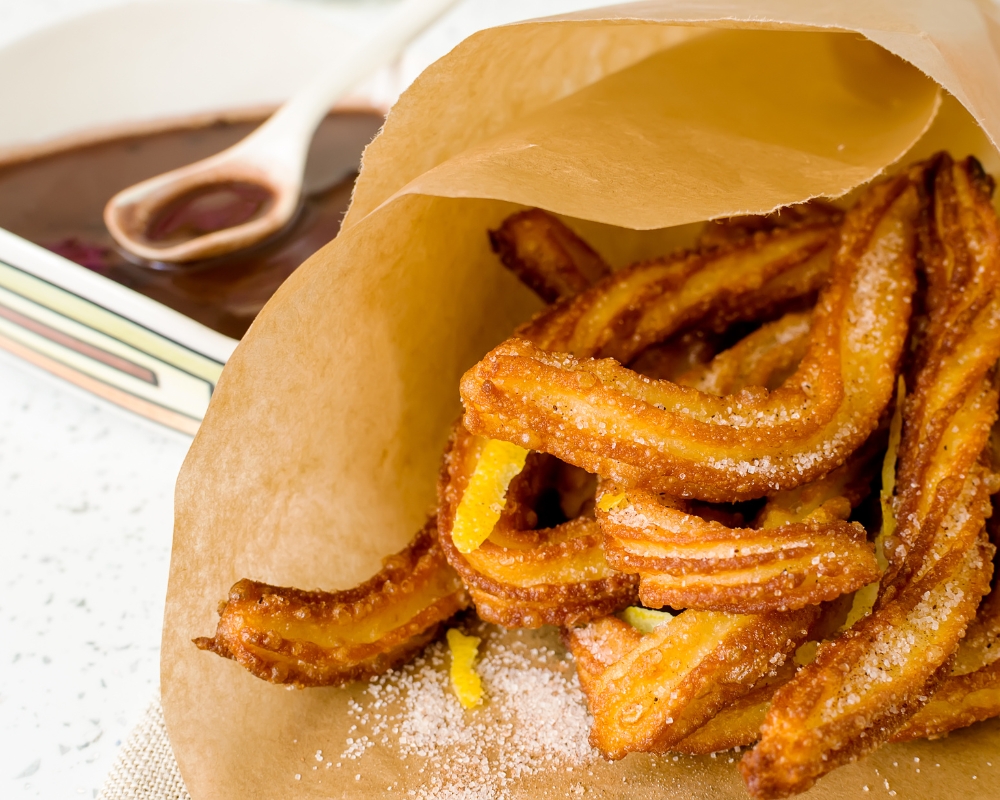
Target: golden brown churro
685, 561
649, 693
329, 638
657, 435
546, 255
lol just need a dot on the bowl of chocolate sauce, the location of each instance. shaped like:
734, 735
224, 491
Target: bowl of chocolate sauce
100, 102
56, 201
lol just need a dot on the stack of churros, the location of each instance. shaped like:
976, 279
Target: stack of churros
751, 481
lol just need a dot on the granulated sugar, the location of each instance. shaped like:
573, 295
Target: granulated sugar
534, 719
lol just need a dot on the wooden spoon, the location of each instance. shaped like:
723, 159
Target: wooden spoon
263, 172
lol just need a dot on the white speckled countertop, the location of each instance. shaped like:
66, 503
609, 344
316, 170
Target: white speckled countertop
86, 495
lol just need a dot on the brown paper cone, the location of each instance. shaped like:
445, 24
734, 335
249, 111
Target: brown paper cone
319, 452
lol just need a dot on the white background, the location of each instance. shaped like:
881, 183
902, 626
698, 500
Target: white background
86, 495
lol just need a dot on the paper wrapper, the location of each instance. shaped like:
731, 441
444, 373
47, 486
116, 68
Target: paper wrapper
320, 450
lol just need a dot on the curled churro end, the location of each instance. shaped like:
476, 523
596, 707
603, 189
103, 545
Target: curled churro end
303, 638
546, 255
657, 435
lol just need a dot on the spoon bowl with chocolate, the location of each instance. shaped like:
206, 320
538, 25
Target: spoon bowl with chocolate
249, 191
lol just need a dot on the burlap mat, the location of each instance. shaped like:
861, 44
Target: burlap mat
145, 768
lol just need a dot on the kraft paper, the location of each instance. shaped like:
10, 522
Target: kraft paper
320, 451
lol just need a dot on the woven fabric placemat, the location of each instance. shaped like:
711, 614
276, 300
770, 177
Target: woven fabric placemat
145, 768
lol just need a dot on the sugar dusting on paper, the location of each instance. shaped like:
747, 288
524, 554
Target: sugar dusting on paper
534, 720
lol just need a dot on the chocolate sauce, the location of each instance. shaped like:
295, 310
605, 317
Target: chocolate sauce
57, 201
208, 209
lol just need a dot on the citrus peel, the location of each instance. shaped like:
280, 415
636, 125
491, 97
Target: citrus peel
465, 681
486, 493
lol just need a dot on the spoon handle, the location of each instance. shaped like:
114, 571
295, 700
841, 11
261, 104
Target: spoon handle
297, 119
